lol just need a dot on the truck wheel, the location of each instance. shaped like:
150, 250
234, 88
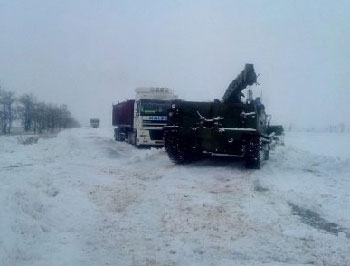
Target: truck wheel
174, 149
116, 134
266, 154
252, 156
265, 151
119, 136
175, 153
179, 155
132, 138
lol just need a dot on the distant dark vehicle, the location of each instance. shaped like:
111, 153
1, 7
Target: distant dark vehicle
94, 122
229, 127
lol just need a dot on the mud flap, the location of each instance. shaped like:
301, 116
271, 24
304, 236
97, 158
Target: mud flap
252, 153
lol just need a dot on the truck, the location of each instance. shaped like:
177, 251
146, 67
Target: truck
227, 127
94, 122
140, 121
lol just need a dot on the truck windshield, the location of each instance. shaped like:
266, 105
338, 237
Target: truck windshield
154, 107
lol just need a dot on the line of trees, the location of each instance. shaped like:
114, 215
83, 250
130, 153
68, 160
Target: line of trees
34, 115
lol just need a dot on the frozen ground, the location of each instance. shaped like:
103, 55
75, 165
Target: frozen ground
83, 199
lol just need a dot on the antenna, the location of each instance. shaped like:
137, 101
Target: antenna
257, 83
250, 95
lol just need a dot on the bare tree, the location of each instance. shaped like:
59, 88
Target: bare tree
65, 116
39, 117
36, 116
27, 110
2, 113
6, 101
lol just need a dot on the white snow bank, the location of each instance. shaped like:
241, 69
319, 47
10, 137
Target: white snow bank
321, 143
83, 199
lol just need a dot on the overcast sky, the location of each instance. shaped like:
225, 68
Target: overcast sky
88, 54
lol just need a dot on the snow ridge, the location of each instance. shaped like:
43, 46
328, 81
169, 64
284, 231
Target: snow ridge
83, 199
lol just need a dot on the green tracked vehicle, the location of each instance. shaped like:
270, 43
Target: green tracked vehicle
230, 127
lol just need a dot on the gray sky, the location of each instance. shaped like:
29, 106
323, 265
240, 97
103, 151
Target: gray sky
88, 54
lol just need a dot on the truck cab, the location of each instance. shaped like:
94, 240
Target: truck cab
150, 115
140, 122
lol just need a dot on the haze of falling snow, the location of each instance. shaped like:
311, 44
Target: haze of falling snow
88, 54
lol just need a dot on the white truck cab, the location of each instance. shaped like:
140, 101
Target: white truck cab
150, 115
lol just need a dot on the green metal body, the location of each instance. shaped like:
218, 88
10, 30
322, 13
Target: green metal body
229, 127
216, 128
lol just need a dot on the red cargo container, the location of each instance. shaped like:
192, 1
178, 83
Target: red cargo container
123, 114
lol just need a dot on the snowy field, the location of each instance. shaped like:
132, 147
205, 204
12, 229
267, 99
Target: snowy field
83, 199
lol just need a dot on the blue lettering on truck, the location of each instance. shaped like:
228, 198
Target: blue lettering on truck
157, 118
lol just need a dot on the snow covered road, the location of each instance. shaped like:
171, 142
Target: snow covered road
83, 199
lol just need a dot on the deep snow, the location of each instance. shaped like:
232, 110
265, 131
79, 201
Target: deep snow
83, 199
